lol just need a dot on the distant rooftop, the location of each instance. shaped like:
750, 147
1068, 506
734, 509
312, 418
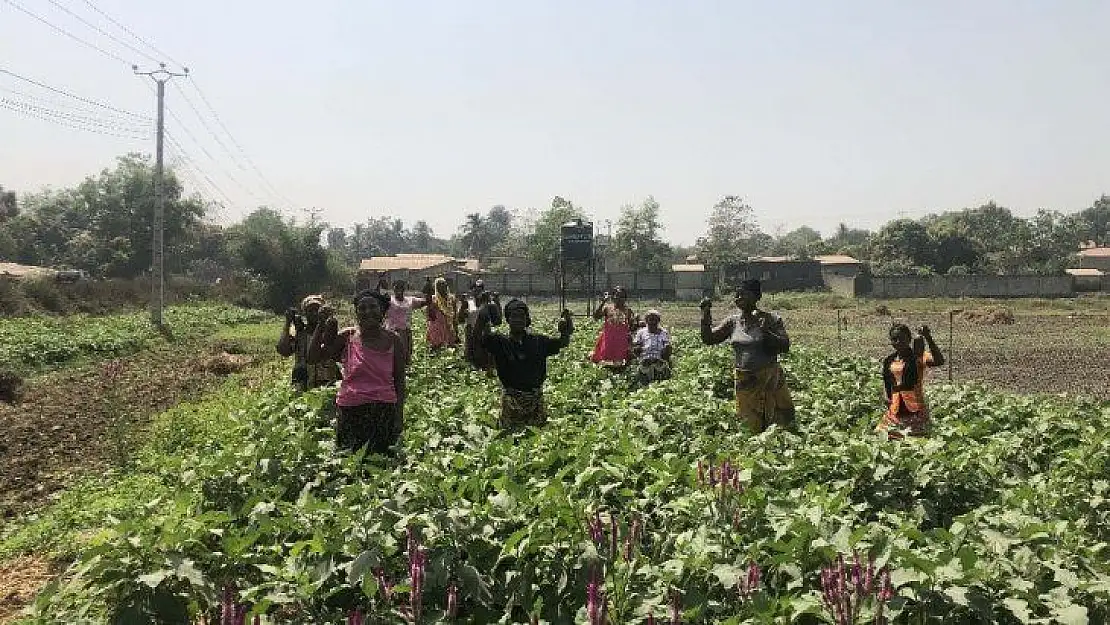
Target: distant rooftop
415, 262
1100, 252
1085, 273
687, 268
836, 259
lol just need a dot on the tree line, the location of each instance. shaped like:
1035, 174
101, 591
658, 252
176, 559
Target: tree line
103, 226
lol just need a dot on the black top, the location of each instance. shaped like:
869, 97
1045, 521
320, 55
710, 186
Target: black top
521, 366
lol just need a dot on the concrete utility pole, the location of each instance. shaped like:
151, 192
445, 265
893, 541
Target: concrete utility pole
157, 279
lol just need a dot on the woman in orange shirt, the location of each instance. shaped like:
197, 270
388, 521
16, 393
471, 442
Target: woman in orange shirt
903, 381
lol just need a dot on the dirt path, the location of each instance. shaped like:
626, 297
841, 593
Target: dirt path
20, 580
77, 420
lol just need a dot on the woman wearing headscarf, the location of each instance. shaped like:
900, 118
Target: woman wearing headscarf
521, 360
757, 338
371, 395
294, 340
652, 345
442, 312
614, 343
903, 381
481, 302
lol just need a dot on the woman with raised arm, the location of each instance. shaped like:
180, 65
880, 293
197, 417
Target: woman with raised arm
371, 394
442, 311
399, 316
757, 338
521, 361
614, 344
904, 379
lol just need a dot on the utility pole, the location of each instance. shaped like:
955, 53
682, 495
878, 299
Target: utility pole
157, 279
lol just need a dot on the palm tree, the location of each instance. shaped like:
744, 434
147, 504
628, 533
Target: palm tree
474, 235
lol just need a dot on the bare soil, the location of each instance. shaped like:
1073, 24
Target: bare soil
20, 580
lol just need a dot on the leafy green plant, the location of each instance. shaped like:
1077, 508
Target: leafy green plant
1000, 516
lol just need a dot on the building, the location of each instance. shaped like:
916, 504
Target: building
414, 268
1087, 280
1095, 258
690, 282
839, 265
777, 273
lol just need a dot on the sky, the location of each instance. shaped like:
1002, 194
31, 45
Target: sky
856, 111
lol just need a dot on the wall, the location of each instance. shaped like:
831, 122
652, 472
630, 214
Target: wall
891, 287
842, 285
1095, 262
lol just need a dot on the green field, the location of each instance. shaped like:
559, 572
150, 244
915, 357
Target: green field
1003, 515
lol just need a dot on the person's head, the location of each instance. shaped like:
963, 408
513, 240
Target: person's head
399, 288
441, 287
383, 282
748, 295
901, 339
484, 297
653, 319
370, 307
478, 288
311, 306
516, 315
620, 296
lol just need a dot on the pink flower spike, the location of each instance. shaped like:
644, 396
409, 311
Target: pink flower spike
452, 600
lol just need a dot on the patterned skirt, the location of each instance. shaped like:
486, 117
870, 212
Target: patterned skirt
762, 398
377, 426
652, 371
520, 409
901, 418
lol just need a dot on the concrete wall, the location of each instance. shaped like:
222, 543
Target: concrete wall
842, 285
798, 275
891, 287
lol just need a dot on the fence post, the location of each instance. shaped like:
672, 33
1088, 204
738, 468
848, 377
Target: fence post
839, 339
951, 334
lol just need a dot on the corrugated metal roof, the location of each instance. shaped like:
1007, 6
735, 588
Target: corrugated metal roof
415, 262
772, 259
1086, 273
1095, 251
687, 268
16, 270
836, 259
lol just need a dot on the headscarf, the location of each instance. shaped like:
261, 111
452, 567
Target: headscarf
651, 312
751, 285
518, 304
311, 300
445, 303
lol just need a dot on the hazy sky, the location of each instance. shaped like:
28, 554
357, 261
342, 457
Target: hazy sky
816, 112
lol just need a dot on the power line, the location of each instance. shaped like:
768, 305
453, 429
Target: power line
73, 117
130, 32
63, 92
179, 150
193, 138
103, 32
68, 124
238, 146
73, 109
66, 33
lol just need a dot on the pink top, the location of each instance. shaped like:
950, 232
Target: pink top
399, 314
367, 375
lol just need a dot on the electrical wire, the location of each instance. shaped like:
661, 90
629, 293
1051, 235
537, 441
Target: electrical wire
127, 30
63, 92
177, 147
238, 146
72, 108
75, 118
66, 33
101, 31
68, 124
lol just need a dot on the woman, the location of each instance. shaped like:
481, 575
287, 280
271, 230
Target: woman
442, 311
372, 392
399, 316
614, 344
521, 359
757, 338
903, 381
481, 305
652, 345
294, 341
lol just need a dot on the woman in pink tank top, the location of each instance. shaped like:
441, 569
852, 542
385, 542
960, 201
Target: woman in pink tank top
372, 393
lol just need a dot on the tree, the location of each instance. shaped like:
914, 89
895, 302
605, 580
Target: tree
899, 244
473, 236
803, 242
731, 233
286, 256
542, 244
9, 207
638, 241
854, 242
1095, 221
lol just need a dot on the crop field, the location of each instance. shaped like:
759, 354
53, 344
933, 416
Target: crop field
628, 507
